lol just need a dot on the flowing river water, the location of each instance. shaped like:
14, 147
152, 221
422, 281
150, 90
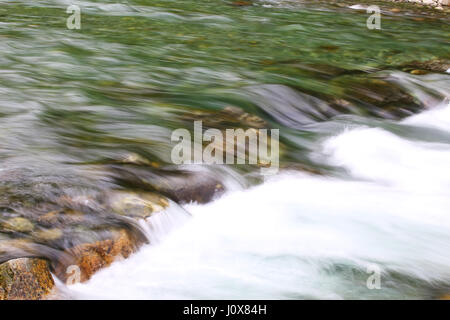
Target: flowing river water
364, 120
304, 237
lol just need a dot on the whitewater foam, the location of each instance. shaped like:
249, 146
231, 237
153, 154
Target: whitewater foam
302, 236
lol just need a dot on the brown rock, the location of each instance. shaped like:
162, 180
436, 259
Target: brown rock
91, 257
49, 218
381, 98
329, 47
437, 65
61, 218
179, 186
48, 234
228, 117
25, 279
199, 187
241, 3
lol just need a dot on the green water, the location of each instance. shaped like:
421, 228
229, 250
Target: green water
137, 67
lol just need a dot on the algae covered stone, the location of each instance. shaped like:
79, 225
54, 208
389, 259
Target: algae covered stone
89, 258
25, 279
18, 224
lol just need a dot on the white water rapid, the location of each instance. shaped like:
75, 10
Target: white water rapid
309, 237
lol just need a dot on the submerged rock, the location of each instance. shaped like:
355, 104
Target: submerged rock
134, 158
236, 114
420, 67
241, 3
25, 279
18, 224
61, 218
198, 190
48, 234
376, 97
136, 204
418, 72
181, 186
229, 117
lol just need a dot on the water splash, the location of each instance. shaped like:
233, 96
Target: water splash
300, 236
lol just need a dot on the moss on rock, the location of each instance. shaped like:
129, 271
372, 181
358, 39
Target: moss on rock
25, 279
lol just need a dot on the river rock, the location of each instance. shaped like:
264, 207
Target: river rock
229, 117
48, 234
182, 186
232, 113
89, 258
136, 204
197, 187
378, 97
134, 158
61, 218
25, 279
437, 65
18, 224
241, 3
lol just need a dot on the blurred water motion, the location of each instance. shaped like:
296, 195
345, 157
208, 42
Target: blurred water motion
87, 113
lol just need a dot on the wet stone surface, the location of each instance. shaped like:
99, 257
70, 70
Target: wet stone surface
25, 279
